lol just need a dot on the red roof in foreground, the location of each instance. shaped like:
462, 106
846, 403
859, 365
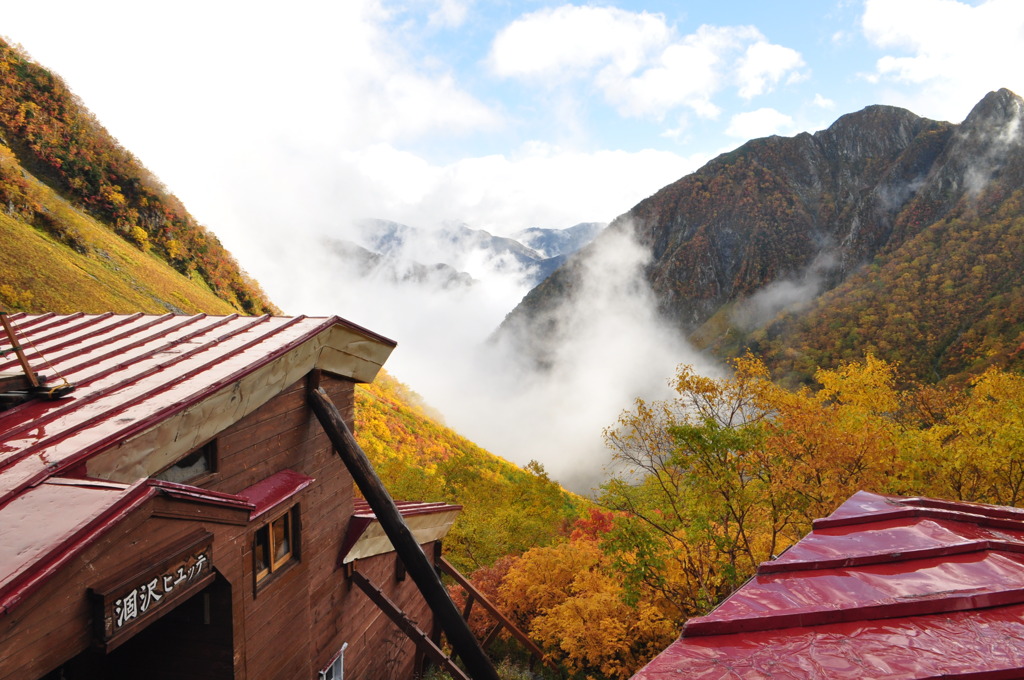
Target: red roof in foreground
885, 587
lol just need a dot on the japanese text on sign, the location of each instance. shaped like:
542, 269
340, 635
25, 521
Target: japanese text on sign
146, 595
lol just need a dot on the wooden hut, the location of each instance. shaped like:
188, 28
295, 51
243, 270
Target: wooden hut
170, 506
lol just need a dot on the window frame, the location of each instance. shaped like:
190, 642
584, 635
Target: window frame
266, 534
335, 668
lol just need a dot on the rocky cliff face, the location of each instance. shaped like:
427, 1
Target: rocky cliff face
807, 211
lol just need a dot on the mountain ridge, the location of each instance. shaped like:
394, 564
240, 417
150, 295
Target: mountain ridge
49, 139
809, 211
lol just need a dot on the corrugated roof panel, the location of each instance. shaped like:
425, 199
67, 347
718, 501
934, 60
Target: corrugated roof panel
980, 644
883, 588
134, 371
138, 387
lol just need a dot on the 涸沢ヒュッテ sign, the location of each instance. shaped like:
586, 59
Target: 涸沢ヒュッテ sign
127, 604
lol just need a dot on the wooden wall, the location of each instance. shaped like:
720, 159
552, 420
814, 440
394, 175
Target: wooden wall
289, 628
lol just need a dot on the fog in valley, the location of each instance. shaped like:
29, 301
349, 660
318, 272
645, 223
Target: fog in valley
614, 348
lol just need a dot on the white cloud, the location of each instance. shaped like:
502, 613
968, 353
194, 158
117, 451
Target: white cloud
408, 105
613, 324
450, 13
640, 63
550, 42
759, 123
541, 185
951, 52
764, 65
688, 73
823, 102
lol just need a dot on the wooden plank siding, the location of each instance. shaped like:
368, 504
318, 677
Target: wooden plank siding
287, 629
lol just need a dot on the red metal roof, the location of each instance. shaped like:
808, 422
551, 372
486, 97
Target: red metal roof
49, 524
269, 493
135, 375
130, 372
885, 587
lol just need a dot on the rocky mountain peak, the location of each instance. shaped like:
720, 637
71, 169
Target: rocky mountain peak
774, 225
873, 131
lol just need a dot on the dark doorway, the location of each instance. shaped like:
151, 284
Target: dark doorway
191, 642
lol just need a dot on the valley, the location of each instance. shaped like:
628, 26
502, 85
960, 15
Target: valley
632, 415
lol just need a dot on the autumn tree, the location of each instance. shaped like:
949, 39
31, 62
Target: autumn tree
982, 443
730, 472
733, 470
572, 601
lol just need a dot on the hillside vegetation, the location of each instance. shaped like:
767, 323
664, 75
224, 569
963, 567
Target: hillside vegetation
506, 509
74, 204
732, 471
886, 233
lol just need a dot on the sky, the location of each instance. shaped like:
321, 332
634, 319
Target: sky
279, 124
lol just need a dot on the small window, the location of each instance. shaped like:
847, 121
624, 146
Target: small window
274, 546
197, 464
336, 668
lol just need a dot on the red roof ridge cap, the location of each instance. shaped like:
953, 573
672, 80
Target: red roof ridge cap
896, 607
1001, 520
363, 510
336, 320
985, 545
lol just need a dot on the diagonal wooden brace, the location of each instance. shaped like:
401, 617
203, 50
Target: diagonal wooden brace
422, 640
409, 551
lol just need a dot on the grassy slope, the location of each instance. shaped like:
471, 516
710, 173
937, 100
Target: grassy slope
47, 135
39, 273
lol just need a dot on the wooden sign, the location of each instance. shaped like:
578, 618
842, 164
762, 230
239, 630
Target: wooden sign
128, 604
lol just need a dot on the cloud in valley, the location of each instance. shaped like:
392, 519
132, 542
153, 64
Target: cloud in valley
788, 294
611, 348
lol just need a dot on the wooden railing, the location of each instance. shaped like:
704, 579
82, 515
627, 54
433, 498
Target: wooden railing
473, 595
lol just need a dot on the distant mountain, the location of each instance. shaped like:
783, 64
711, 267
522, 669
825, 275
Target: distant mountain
367, 264
887, 232
551, 243
457, 247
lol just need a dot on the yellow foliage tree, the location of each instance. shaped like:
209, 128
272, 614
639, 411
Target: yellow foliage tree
982, 443
569, 598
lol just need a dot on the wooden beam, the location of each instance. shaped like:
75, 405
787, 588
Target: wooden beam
18, 352
409, 551
503, 620
422, 640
